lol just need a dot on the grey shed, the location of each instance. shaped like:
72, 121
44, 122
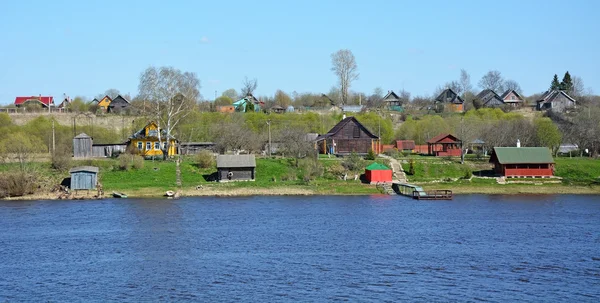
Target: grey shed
84, 177
235, 168
82, 146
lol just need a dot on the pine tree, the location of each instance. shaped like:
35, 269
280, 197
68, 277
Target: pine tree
567, 83
555, 84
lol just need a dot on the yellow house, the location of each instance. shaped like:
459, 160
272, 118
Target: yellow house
104, 103
147, 144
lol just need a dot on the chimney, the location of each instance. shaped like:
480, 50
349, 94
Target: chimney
344, 116
518, 143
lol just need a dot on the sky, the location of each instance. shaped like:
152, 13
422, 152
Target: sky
83, 48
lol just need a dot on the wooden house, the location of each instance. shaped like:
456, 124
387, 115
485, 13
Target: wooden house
522, 162
346, 137
376, 172
44, 101
450, 100
444, 145
82, 146
512, 98
236, 168
489, 98
392, 102
84, 177
556, 100
118, 105
104, 103
147, 144
225, 109
277, 109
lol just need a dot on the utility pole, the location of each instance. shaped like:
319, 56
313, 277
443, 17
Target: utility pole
269, 126
53, 139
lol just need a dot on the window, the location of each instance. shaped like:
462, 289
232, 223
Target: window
356, 133
140, 145
148, 145
157, 145
152, 133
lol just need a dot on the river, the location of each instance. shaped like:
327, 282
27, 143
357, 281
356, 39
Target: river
317, 248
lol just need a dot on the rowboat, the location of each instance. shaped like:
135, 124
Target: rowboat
119, 195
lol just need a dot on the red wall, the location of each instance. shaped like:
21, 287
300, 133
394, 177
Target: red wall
378, 175
527, 172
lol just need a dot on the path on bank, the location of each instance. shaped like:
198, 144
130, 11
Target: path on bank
398, 171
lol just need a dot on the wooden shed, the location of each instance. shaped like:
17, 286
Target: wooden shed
82, 146
522, 162
84, 177
347, 137
378, 173
235, 168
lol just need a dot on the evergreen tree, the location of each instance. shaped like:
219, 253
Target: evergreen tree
567, 83
249, 107
555, 84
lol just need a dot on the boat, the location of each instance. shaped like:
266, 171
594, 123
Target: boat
169, 193
119, 195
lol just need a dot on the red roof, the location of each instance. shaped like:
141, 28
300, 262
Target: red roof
44, 100
441, 137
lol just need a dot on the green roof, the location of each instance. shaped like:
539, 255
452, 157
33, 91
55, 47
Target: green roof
523, 155
377, 166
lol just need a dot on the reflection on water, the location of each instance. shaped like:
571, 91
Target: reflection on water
477, 247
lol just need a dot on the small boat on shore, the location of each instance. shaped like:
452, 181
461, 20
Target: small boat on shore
119, 195
170, 194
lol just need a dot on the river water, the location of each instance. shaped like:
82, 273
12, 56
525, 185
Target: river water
322, 248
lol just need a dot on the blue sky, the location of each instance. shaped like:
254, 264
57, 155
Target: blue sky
85, 47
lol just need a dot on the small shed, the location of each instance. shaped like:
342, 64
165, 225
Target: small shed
377, 172
82, 146
236, 168
84, 177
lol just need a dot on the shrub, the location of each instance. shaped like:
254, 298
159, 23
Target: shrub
411, 167
467, 172
392, 153
334, 171
353, 163
138, 161
370, 155
205, 159
14, 184
311, 168
125, 161
61, 159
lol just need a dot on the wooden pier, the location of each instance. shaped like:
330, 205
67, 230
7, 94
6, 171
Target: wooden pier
417, 192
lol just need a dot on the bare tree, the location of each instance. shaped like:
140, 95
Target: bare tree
454, 86
294, 143
248, 86
492, 80
345, 68
512, 85
112, 93
173, 94
465, 81
578, 88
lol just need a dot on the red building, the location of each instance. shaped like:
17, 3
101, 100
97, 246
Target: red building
378, 173
444, 145
520, 162
45, 101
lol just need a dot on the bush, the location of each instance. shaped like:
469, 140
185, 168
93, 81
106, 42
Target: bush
370, 155
392, 153
311, 168
138, 161
61, 160
411, 167
205, 159
14, 184
353, 163
467, 172
125, 161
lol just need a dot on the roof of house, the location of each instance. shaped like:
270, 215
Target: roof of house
522, 155
142, 132
377, 166
232, 161
343, 123
440, 137
46, 100
390, 97
118, 100
95, 100
506, 93
448, 95
82, 136
93, 169
277, 107
487, 94
550, 95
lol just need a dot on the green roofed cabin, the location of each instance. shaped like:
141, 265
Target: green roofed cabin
523, 162
376, 172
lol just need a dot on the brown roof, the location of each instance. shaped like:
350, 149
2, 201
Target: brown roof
343, 123
440, 137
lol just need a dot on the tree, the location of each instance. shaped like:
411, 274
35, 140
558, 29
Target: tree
547, 133
78, 105
20, 147
567, 83
111, 92
492, 80
223, 100
345, 68
231, 93
465, 82
282, 99
173, 95
512, 85
250, 107
578, 88
248, 86
294, 143
555, 85
455, 86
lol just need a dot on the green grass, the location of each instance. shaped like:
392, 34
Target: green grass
434, 170
578, 170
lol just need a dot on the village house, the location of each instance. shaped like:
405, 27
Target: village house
489, 98
556, 100
236, 168
512, 98
147, 144
242, 104
104, 103
523, 162
392, 102
346, 137
450, 100
405, 145
444, 145
118, 105
277, 109
44, 101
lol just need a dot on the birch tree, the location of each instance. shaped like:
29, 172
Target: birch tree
172, 94
345, 68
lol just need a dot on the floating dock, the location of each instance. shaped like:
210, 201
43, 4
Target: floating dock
417, 192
